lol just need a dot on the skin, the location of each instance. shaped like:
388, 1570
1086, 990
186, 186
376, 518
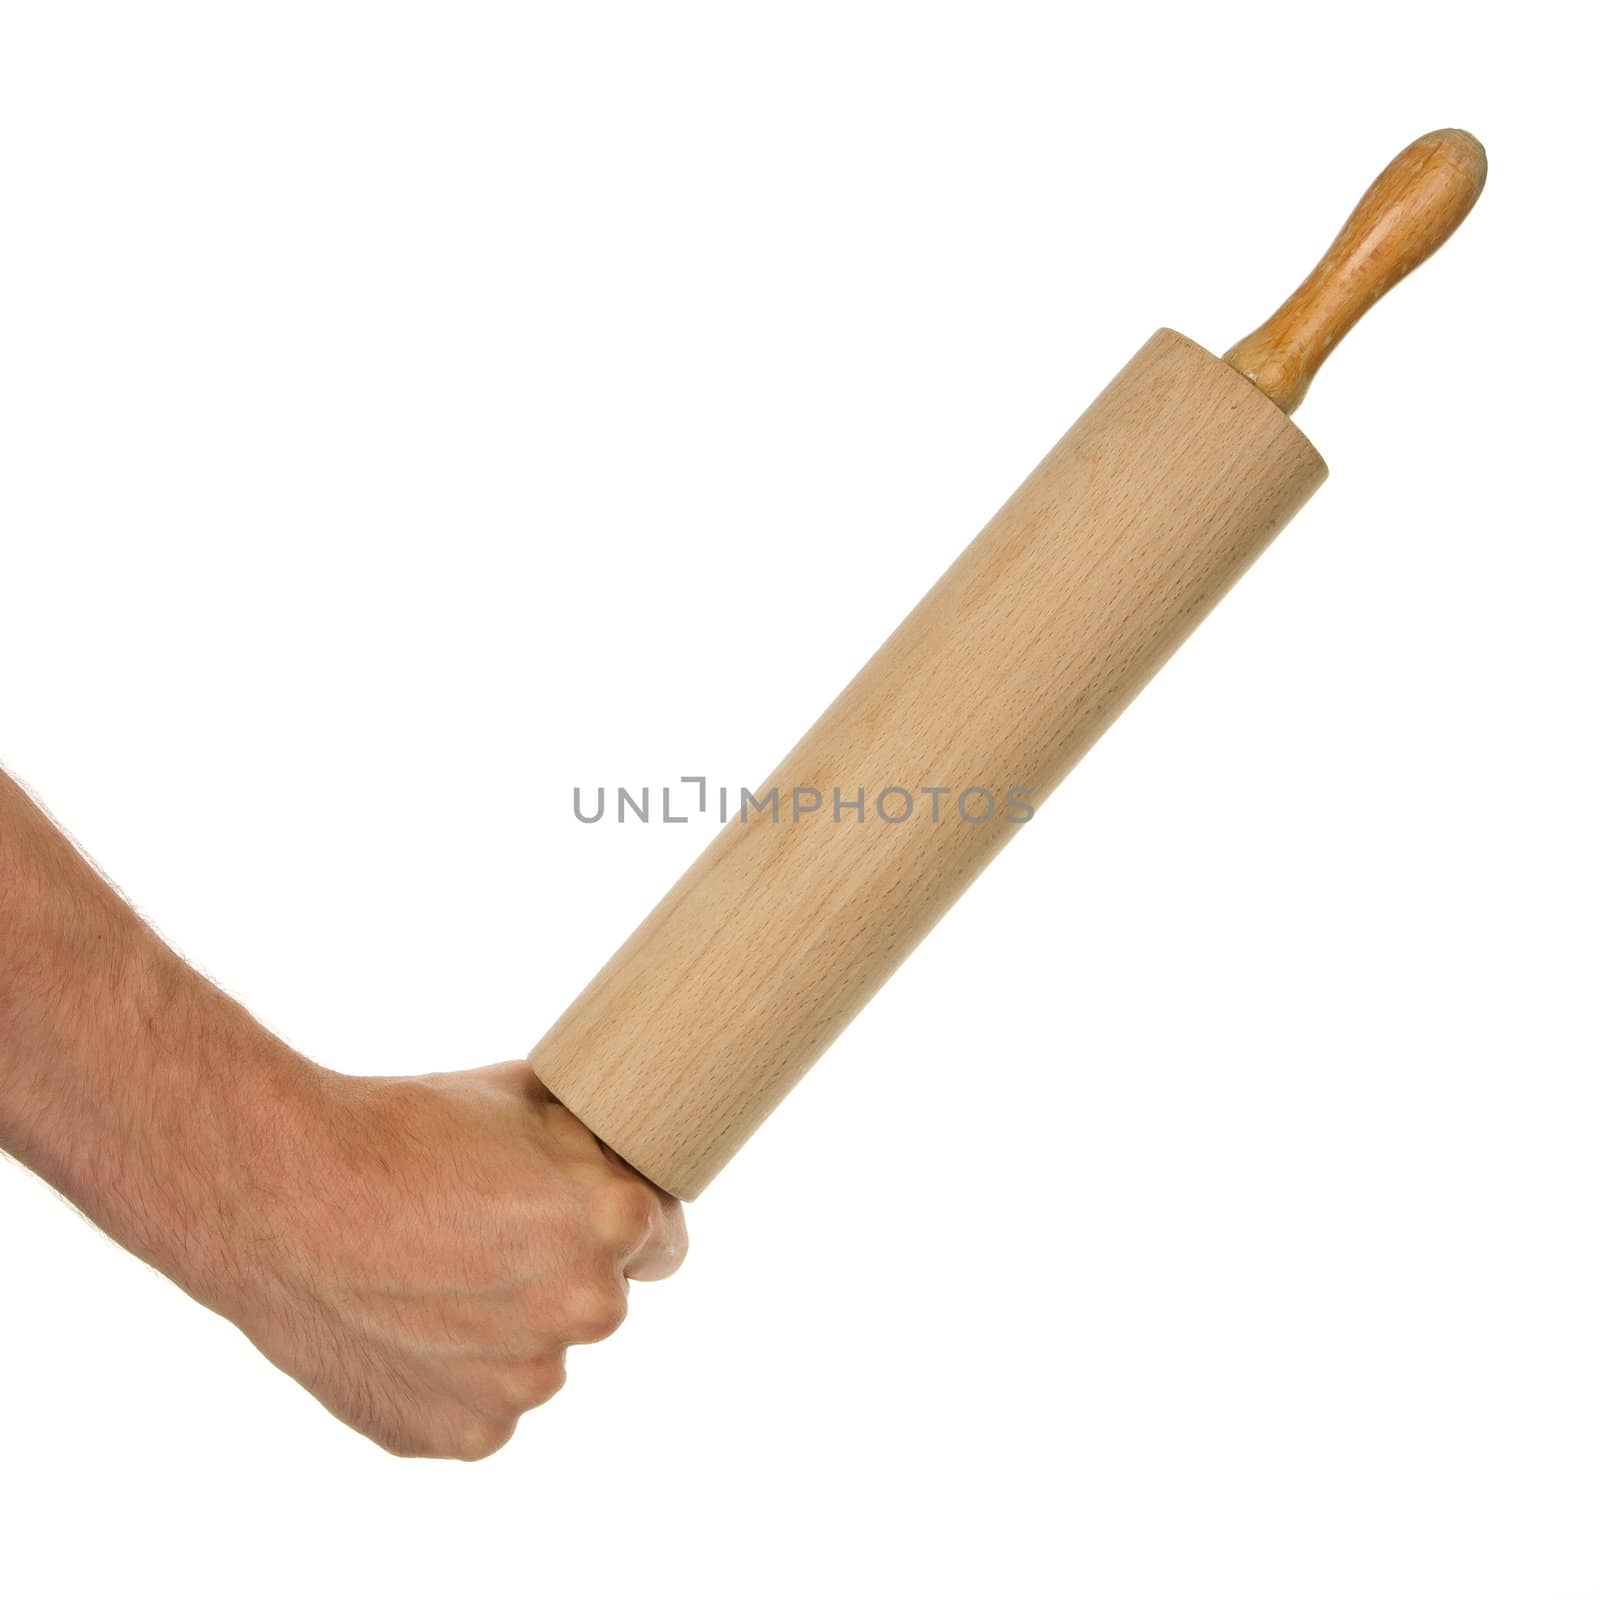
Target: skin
419, 1253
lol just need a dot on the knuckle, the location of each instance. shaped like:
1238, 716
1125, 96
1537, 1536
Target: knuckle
622, 1215
542, 1383
533, 1384
478, 1437
595, 1312
669, 1244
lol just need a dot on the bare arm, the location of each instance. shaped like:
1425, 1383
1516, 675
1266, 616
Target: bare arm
417, 1252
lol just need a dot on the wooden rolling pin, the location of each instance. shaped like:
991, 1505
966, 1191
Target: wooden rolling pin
1016, 661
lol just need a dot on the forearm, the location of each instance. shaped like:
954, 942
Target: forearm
127, 1081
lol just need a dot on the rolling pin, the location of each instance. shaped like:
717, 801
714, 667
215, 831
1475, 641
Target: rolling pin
1103, 562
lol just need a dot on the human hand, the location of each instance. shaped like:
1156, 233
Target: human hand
428, 1248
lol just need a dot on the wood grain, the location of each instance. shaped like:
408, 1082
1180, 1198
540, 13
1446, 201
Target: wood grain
1090, 576
1413, 206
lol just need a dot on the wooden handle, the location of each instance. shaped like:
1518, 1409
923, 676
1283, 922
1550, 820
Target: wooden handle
1417, 202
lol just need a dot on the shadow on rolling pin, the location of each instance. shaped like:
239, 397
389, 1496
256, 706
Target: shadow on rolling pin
1103, 562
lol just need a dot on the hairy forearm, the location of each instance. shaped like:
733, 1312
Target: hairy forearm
127, 1081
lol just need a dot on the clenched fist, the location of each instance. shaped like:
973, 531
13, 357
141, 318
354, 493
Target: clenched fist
434, 1246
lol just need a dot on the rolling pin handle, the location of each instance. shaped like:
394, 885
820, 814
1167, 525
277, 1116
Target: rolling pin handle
1414, 205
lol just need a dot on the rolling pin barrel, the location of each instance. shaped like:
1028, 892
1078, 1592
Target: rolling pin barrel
1047, 625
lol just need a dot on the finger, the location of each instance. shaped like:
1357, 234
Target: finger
665, 1245
534, 1382
665, 1242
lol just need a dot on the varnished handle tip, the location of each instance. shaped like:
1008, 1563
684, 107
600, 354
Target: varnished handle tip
1414, 205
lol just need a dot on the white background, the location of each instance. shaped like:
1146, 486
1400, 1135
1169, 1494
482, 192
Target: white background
410, 411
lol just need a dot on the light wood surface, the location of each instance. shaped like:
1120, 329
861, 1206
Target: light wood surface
1090, 576
1049, 623
1413, 206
